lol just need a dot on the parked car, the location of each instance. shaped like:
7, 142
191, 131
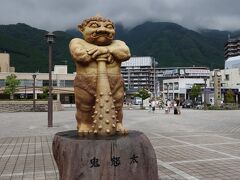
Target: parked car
187, 103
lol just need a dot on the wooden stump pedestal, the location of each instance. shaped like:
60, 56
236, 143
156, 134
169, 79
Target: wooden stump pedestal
130, 157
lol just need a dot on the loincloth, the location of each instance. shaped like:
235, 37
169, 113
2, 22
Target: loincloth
89, 83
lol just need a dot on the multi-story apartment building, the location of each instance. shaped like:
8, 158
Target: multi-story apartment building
232, 53
137, 72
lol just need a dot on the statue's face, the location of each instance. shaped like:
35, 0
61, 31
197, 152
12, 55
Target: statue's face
99, 32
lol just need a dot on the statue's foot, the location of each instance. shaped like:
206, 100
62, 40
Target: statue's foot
121, 130
84, 130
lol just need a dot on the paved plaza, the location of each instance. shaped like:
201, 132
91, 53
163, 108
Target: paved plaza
194, 145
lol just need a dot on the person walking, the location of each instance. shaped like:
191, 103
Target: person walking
178, 106
168, 105
175, 111
150, 106
153, 105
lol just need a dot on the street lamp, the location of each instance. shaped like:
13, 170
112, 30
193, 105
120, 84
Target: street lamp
205, 93
154, 79
167, 91
34, 100
50, 40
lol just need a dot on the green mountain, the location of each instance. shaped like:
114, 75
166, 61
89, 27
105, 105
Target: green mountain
173, 45
29, 50
170, 44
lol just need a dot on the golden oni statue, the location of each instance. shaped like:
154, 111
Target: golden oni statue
98, 85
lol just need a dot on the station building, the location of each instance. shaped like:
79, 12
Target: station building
138, 72
171, 82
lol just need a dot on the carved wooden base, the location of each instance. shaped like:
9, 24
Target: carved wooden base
130, 157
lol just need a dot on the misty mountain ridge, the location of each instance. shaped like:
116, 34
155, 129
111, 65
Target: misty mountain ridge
169, 43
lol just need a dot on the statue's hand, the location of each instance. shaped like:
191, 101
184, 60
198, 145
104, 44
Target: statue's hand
91, 51
100, 53
110, 59
103, 57
81, 55
95, 52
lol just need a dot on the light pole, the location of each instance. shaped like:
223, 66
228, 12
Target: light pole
205, 93
50, 40
25, 95
167, 91
154, 78
34, 100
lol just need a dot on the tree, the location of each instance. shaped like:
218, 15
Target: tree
195, 92
11, 85
143, 94
45, 91
229, 96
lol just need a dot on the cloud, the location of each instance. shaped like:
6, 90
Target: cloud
63, 14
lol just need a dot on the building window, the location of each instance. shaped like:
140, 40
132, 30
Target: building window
68, 83
54, 83
176, 86
2, 82
226, 77
45, 83
26, 82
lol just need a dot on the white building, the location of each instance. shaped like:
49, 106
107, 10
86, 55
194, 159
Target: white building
179, 87
5, 63
62, 84
229, 79
232, 62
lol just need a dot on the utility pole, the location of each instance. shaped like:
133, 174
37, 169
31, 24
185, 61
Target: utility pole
205, 93
50, 39
154, 78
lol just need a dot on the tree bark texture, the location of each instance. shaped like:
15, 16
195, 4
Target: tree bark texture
129, 157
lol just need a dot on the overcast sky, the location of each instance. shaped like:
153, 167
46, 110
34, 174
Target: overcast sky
62, 14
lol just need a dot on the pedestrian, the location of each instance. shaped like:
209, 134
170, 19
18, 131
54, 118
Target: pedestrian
168, 105
178, 105
153, 105
175, 107
149, 107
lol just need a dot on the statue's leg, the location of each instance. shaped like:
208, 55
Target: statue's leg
118, 96
84, 104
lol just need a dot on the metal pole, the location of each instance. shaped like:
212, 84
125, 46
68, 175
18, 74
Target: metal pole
34, 100
25, 95
50, 99
167, 91
205, 94
154, 79
129, 81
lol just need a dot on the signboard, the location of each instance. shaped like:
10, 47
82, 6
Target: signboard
170, 72
182, 71
197, 71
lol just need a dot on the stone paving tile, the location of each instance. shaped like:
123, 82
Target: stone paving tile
235, 135
166, 174
179, 134
231, 148
185, 153
156, 141
206, 139
225, 169
27, 158
184, 157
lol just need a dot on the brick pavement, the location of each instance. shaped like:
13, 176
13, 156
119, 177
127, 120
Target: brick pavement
194, 145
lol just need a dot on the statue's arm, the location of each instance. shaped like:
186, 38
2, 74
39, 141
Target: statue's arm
79, 51
119, 50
